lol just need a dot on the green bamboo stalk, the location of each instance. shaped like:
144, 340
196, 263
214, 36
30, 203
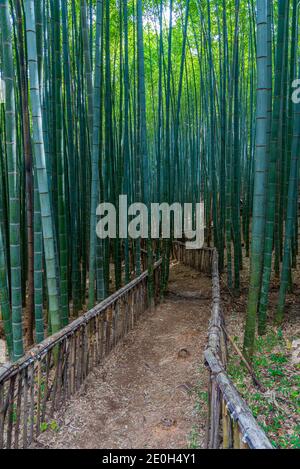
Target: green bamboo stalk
39, 151
273, 162
95, 159
13, 181
259, 196
38, 266
291, 215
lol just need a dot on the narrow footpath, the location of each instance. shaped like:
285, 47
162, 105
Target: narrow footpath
146, 393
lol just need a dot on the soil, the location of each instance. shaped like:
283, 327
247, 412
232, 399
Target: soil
145, 393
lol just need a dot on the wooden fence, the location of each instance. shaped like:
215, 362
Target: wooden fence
32, 389
198, 259
230, 421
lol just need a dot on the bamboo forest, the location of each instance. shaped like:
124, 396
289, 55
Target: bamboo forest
149, 224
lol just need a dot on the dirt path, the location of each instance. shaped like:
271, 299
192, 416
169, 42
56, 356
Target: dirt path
145, 393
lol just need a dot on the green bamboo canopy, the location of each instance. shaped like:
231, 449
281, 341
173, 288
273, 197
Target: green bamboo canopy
162, 101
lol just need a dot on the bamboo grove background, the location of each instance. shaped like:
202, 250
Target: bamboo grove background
165, 101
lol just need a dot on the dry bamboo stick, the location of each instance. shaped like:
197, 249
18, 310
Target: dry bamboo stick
46, 389
18, 410
246, 363
25, 410
236, 435
78, 358
1, 416
10, 412
73, 365
65, 373
39, 397
102, 339
86, 353
243, 445
226, 426
31, 408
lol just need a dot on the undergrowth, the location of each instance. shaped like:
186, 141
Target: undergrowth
278, 409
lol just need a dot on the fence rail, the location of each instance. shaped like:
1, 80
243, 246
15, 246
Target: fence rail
32, 389
230, 421
198, 259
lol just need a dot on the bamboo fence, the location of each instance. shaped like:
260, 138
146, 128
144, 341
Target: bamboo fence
230, 423
32, 389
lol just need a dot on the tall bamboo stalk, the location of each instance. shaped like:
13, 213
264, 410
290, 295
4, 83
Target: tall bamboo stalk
13, 180
39, 149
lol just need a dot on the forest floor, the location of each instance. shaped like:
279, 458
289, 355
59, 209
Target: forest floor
276, 362
151, 391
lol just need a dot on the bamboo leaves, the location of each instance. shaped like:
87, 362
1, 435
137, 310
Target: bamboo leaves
161, 101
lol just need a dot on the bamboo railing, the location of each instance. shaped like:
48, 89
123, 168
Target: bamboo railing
32, 389
230, 421
198, 259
